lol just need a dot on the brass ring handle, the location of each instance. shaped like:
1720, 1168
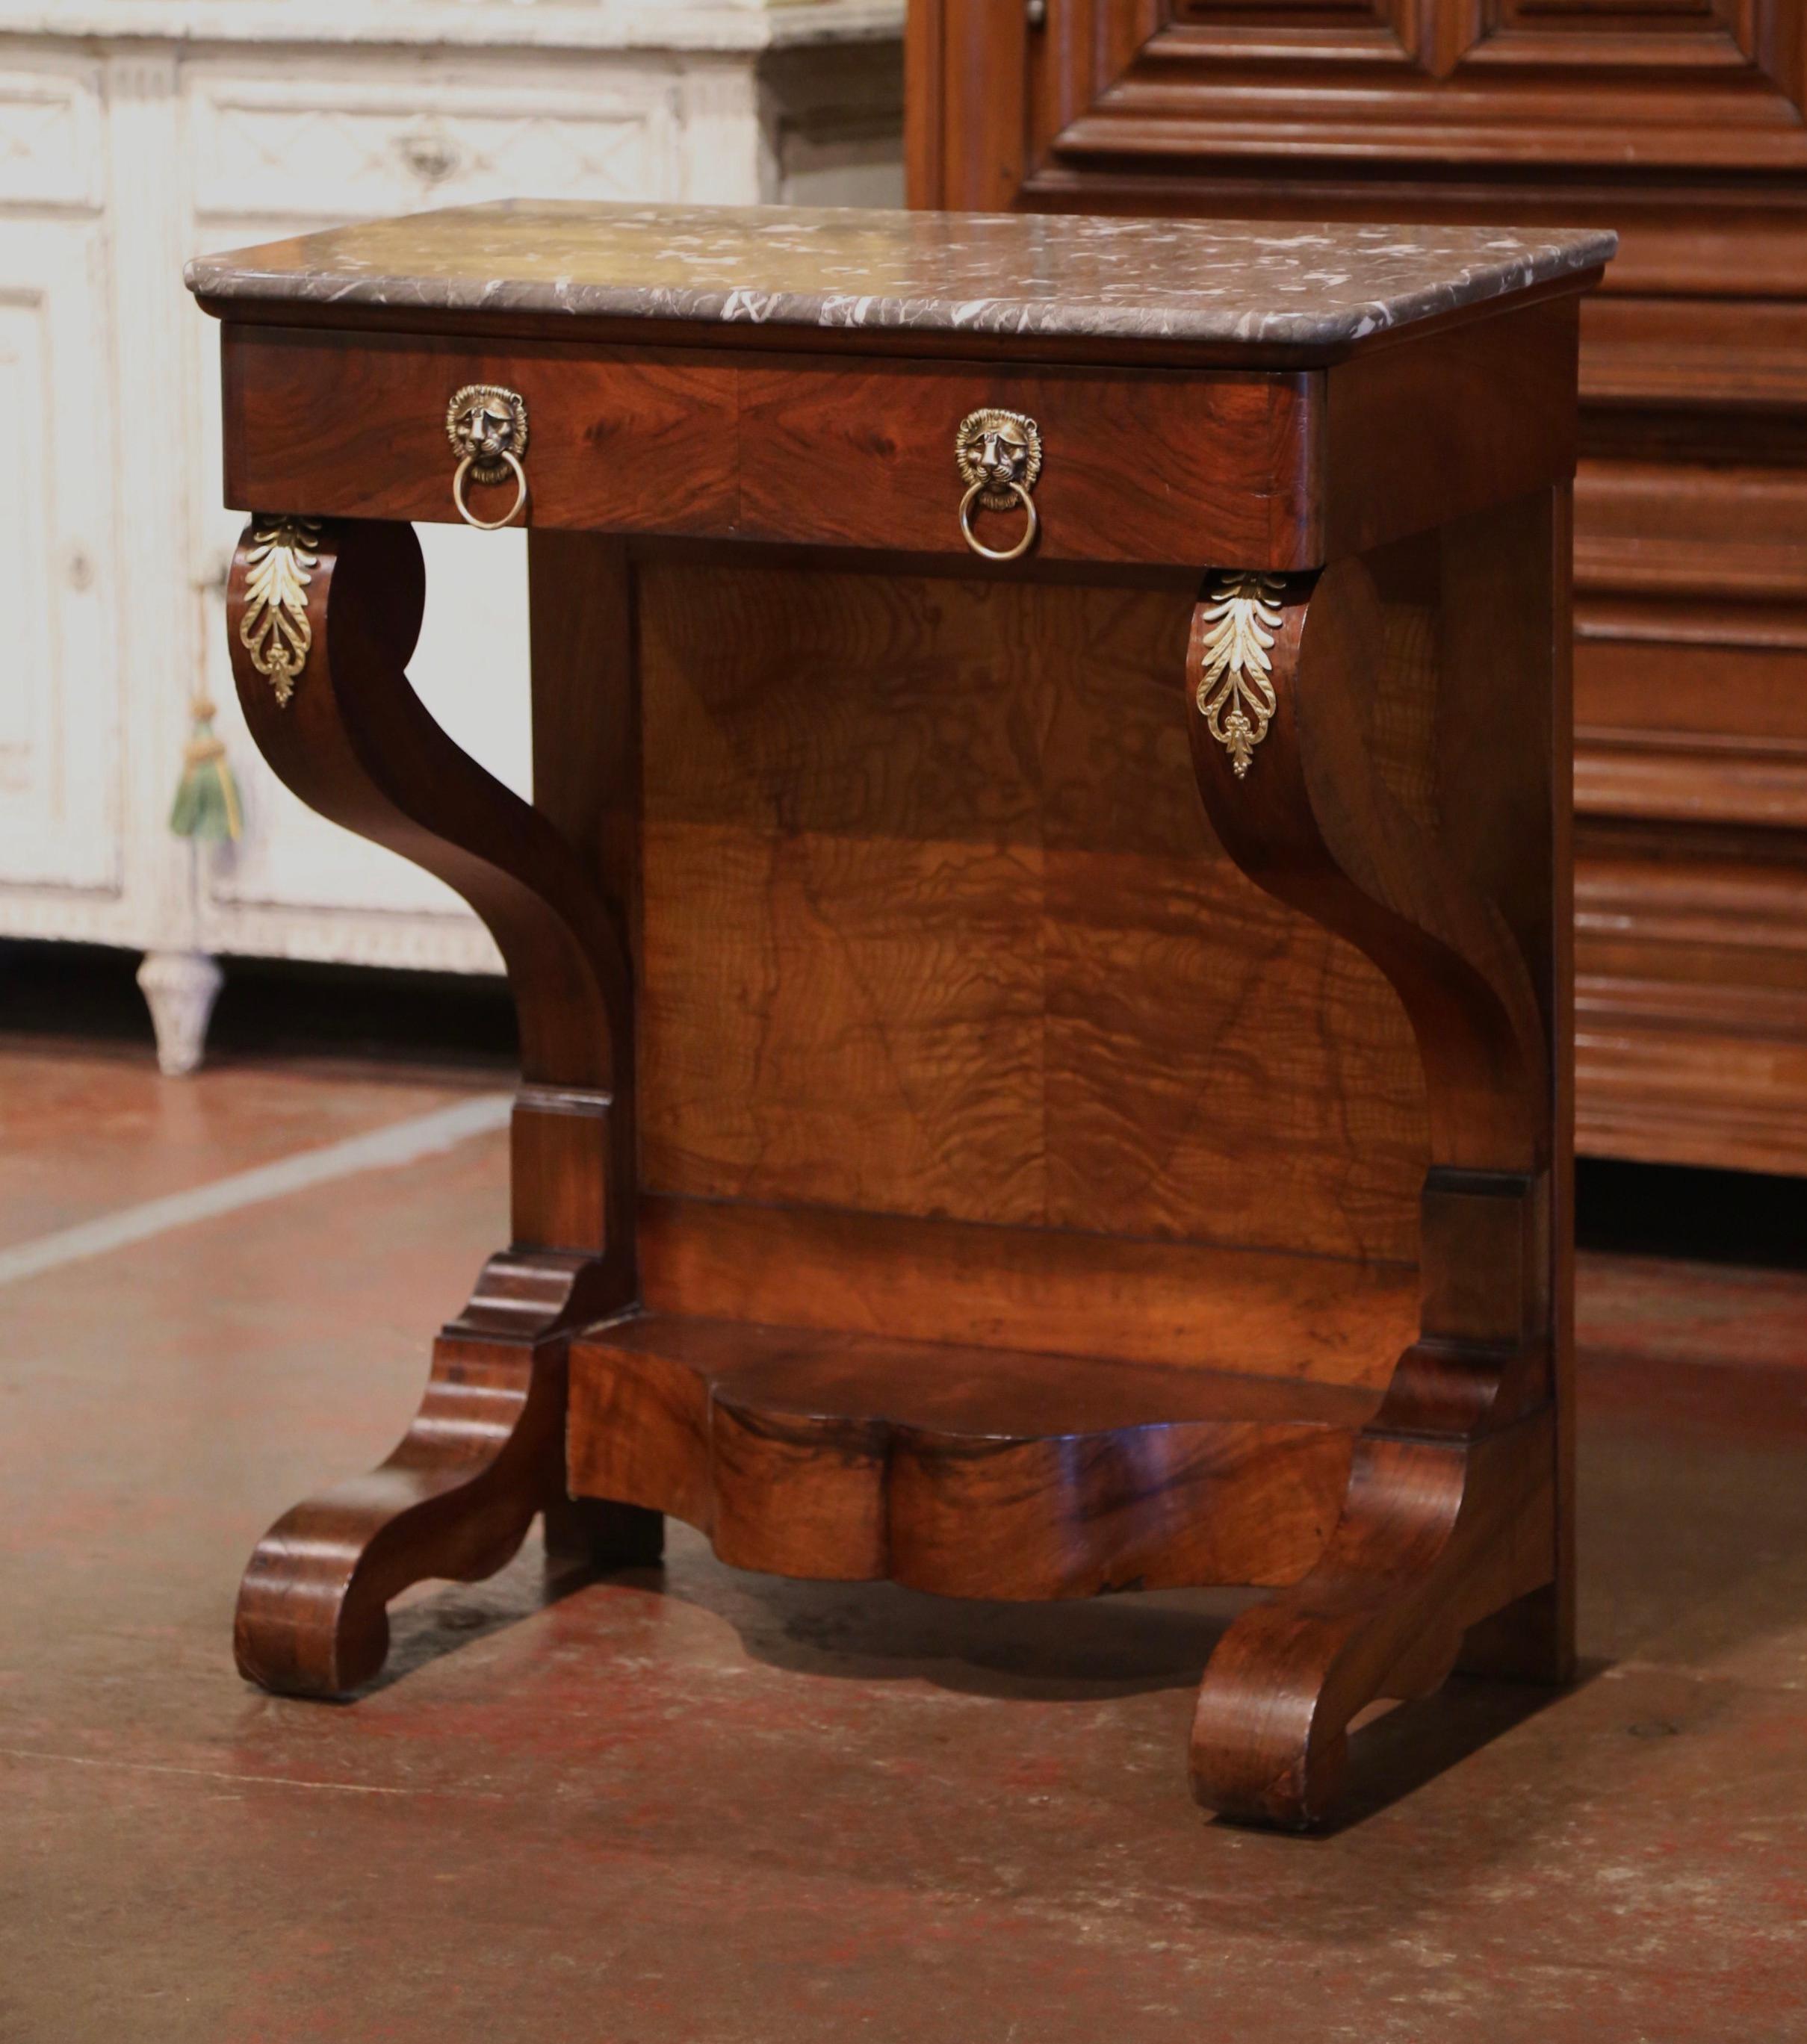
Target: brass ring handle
993, 553
515, 511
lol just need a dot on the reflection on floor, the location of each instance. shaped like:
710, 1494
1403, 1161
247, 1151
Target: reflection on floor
715, 1807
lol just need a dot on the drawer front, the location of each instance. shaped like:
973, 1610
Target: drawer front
52, 144
270, 140
1176, 470
1171, 469
616, 441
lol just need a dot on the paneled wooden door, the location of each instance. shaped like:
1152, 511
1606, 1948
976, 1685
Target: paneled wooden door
1015, 102
1682, 124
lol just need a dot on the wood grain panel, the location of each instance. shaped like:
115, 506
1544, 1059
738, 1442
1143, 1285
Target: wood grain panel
934, 925
1193, 1086
843, 1018
1442, 424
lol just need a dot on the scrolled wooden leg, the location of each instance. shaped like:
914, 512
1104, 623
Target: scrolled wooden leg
1435, 1536
323, 616
453, 1500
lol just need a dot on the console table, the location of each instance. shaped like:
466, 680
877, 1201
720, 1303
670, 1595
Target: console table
1041, 937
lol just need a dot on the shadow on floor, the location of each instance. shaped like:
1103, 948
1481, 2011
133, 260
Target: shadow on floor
1084, 1652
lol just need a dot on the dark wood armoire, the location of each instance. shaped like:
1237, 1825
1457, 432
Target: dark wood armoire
1681, 124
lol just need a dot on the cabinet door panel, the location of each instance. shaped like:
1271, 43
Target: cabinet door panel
269, 142
61, 705
1119, 91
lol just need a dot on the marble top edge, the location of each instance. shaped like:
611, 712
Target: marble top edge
1069, 276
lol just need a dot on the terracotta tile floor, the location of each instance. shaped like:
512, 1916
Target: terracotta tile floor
728, 1808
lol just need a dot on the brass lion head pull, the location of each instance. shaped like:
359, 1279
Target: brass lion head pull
999, 454
486, 425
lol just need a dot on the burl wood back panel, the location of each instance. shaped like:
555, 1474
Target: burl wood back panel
934, 927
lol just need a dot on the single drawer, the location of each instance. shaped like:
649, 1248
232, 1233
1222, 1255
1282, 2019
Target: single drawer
1150, 468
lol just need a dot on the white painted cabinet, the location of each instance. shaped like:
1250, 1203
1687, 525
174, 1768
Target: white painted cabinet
133, 132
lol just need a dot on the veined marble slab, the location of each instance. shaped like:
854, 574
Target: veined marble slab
1059, 276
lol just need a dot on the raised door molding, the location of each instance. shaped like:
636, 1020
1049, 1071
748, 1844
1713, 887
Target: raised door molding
52, 147
1576, 110
1698, 85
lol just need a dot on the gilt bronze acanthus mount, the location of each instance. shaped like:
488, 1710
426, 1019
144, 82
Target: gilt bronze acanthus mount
275, 629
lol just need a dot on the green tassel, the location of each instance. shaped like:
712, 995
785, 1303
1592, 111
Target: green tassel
207, 798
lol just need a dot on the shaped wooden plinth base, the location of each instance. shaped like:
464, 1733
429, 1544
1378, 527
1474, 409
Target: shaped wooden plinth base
984, 1473
979, 1472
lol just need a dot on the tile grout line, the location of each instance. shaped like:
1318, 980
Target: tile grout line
400, 1142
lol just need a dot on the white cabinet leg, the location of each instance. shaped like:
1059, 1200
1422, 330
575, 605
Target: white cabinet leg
180, 989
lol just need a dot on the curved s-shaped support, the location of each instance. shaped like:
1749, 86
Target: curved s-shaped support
1307, 816
323, 617
1450, 1512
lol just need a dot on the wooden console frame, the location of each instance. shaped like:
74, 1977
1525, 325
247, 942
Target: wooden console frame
618, 1360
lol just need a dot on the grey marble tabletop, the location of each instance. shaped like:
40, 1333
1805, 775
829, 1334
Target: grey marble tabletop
1055, 276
